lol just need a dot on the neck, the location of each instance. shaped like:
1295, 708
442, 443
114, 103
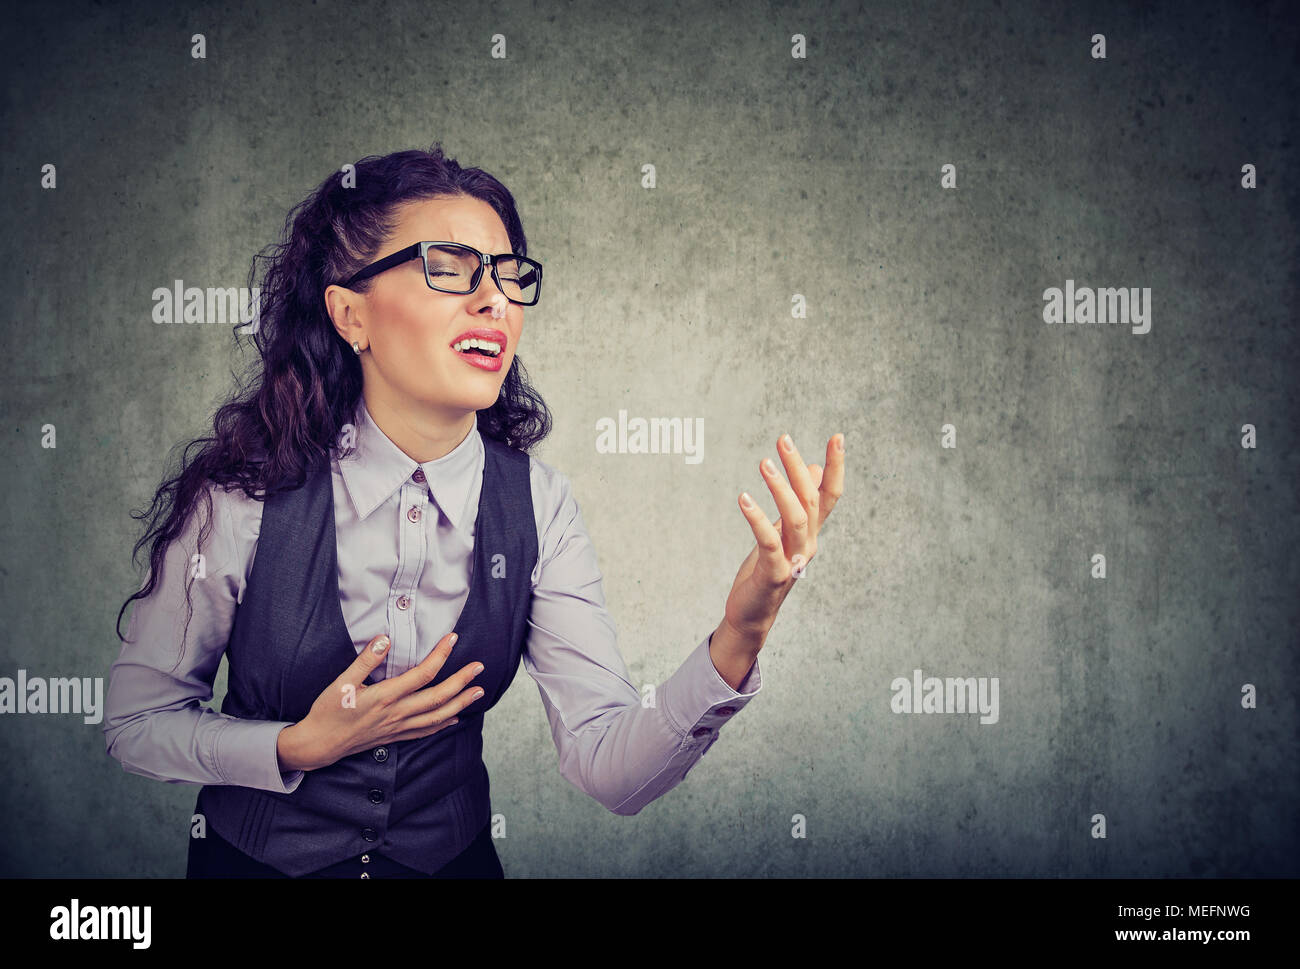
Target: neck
423, 435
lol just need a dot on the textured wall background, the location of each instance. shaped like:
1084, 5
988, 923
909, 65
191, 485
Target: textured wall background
776, 176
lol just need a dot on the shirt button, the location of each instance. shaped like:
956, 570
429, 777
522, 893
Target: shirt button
369, 834
376, 796
413, 514
380, 754
726, 711
403, 602
702, 732
419, 474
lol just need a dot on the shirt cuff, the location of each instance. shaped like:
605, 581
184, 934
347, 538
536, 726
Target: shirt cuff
697, 700
246, 756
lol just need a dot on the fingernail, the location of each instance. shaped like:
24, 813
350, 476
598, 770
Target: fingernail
786, 442
454, 637
768, 466
840, 442
745, 500
380, 645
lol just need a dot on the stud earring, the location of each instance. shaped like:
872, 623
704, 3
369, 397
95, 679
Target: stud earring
356, 348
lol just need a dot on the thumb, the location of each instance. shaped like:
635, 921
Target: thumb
370, 656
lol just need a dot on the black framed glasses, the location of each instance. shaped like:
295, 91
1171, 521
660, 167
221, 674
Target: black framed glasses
450, 267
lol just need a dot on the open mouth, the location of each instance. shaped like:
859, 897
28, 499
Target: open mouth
482, 347
485, 348
481, 342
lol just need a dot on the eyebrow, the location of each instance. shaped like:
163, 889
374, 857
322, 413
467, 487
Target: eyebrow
444, 249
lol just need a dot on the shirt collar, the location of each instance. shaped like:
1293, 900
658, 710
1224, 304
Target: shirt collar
378, 468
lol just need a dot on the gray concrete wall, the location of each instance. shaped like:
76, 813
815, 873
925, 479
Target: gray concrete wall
776, 177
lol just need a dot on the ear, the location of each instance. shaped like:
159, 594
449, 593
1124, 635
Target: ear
343, 306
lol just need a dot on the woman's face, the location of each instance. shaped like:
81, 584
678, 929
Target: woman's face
409, 329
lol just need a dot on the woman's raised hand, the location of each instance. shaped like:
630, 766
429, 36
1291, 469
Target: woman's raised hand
349, 716
784, 547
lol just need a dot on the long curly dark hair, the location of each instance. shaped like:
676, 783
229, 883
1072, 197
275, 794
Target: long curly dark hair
288, 412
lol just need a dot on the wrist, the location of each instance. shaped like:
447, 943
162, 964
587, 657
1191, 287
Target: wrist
737, 640
733, 653
289, 750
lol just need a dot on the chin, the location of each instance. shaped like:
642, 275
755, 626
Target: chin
482, 401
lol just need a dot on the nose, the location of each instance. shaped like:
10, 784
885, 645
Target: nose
489, 294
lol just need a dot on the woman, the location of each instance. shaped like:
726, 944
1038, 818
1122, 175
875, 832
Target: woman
370, 490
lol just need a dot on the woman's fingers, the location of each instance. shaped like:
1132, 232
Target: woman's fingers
422, 673
411, 694
804, 503
832, 484
771, 554
453, 694
421, 718
813, 496
794, 516
352, 680
827, 484
800, 479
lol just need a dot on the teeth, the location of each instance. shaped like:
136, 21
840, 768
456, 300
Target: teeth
488, 345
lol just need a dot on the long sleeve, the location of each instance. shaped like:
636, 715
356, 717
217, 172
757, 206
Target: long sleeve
155, 724
611, 746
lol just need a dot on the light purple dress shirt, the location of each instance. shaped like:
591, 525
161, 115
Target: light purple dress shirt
411, 584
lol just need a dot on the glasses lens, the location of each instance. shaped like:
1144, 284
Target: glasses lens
451, 268
520, 278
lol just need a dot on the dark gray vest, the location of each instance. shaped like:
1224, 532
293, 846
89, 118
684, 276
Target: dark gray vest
420, 802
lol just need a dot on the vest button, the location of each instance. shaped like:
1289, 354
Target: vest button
702, 732
380, 754
376, 796
726, 711
419, 474
365, 874
403, 602
413, 514
365, 859
369, 834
